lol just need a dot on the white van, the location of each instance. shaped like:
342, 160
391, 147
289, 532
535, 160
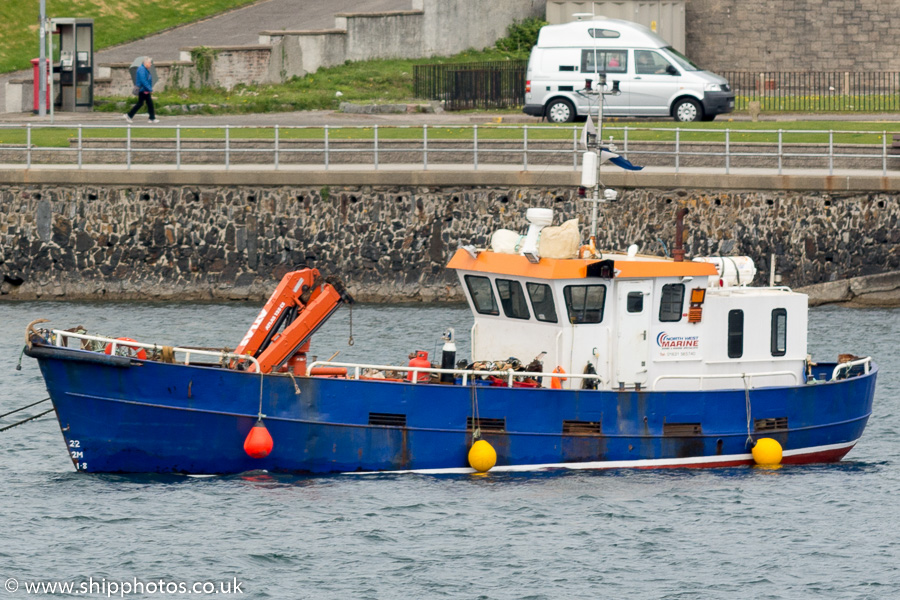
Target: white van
654, 78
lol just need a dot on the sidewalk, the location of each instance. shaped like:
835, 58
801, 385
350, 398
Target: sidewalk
329, 117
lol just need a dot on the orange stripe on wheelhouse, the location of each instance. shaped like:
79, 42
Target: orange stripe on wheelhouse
573, 268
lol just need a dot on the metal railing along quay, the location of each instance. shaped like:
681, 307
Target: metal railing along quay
524, 147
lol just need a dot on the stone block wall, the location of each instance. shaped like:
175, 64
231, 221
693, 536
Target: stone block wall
391, 243
792, 35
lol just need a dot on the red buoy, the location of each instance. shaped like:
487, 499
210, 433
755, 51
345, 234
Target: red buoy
258, 443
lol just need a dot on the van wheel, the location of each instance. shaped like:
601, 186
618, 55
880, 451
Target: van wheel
687, 110
560, 111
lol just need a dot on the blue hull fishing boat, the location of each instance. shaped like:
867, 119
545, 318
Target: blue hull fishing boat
580, 359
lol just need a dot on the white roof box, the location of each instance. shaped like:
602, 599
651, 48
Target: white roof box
599, 32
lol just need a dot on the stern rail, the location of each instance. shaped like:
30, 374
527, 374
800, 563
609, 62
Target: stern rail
848, 366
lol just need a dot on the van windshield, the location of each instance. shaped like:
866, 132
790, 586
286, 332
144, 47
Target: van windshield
683, 61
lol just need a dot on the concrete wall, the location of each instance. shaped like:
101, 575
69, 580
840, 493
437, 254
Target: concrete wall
793, 35
433, 27
218, 240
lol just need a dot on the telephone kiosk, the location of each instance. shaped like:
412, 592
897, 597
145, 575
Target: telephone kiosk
73, 66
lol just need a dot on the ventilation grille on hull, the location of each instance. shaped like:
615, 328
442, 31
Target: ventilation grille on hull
681, 429
391, 420
776, 424
485, 424
581, 428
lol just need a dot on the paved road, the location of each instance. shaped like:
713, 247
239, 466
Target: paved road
241, 27
238, 27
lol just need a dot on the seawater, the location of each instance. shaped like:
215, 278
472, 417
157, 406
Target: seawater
823, 531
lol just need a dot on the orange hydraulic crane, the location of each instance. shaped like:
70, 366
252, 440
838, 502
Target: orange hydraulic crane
301, 304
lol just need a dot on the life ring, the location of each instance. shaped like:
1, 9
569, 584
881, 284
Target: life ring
556, 382
130, 351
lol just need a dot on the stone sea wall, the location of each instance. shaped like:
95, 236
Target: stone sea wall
391, 243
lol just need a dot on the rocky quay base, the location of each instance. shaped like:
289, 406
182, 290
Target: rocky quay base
392, 243
882, 290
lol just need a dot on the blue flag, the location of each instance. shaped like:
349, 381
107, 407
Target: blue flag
612, 157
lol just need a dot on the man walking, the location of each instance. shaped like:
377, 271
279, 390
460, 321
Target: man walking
144, 85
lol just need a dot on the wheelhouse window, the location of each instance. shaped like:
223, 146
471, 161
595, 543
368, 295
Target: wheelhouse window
735, 333
584, 303
482, 295
512, 298
779, 332
604, 61
672, 302
542, 302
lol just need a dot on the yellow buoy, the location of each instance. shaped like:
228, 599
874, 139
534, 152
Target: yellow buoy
767, 452
482, 456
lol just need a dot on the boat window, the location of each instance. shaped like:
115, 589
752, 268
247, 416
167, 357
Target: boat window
672, 301
584, 303
542, 302
513, 299
635, 302
482, 295
779, 332
735, 333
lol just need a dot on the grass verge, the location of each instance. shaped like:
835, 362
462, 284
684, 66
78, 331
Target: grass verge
115, 22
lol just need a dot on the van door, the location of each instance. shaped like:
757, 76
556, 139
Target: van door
655, 82
633, 306
612, 62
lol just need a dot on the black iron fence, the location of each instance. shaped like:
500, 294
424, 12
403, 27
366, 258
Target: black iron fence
501, 84
494, 84
816, 90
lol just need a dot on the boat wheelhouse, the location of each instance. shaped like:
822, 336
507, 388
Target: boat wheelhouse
637, 322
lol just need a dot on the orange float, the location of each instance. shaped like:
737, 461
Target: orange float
556, 382
133, 351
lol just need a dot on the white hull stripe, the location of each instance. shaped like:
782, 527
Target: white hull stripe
620, 464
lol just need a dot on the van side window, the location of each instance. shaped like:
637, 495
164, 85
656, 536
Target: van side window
671, 302
596, 32
482, 295
584, 303
512, 298
648, 62
542, 302
604, 61
779, 332
735, 333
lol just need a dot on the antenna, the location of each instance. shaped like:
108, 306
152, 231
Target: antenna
592, 160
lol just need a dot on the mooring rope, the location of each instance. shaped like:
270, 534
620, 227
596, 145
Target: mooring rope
476, 426
24, 407
28, 419
749, 441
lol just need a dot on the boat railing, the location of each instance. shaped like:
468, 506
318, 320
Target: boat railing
465, 374
866, 363
62, 336
748, 376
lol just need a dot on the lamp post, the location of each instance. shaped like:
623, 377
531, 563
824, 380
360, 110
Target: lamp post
42, 62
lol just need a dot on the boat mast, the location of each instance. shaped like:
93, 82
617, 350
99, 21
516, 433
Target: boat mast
593, 144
